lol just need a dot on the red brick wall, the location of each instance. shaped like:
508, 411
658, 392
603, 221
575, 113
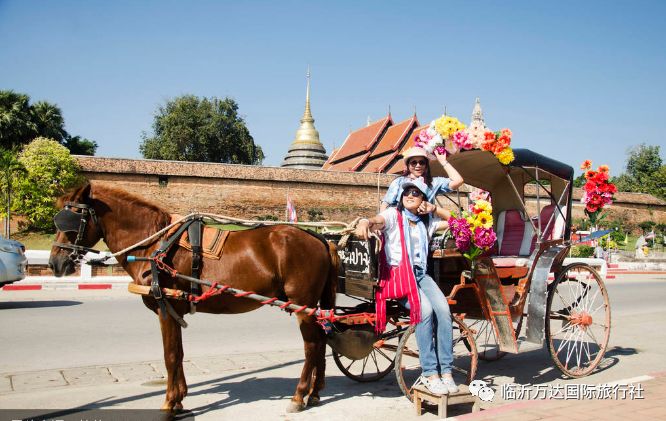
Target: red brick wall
249, 192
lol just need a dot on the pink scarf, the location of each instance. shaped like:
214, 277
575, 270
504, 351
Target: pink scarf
397, 282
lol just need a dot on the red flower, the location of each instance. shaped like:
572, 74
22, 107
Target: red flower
591, 208
489, 136
600, 177
590, 186
589, 174
595, 200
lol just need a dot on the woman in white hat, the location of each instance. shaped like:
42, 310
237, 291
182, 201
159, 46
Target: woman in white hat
402, 276
417, 165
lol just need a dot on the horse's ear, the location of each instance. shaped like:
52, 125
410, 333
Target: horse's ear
85, 193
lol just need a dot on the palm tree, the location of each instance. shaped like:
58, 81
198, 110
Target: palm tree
49, 121
16, 124
10, 166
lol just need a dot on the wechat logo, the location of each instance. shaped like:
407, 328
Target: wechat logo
482, 390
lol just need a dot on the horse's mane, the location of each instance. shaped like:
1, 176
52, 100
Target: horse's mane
100, 191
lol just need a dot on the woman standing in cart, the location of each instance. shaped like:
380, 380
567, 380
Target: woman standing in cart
407, 230
417, 165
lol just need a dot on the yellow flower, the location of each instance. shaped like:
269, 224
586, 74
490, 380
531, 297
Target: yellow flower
484, 219
446, 126
483, 206
505, 156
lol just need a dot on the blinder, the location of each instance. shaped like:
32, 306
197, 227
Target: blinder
69, 221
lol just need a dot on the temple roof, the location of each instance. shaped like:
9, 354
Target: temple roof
357, 143
390, 145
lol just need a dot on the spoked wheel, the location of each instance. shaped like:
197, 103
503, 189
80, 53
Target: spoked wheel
486, 339
376, 365
579, 320
408, 367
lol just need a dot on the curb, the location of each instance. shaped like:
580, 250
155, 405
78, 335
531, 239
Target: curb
37, 283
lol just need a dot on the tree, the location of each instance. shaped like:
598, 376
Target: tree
645, 172
21, 122
16, 125
48, 121
10, 168
79, 146
50, 171
208, 130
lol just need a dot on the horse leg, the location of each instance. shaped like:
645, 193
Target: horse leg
172, 341
311, 334
319, 372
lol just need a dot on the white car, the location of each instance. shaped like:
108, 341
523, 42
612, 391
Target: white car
12, 261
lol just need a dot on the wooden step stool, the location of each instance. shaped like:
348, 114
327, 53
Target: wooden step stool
442, 401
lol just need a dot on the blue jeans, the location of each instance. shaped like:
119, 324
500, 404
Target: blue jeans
434, 334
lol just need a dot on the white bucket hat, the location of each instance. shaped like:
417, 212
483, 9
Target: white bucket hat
418, 183
413, 152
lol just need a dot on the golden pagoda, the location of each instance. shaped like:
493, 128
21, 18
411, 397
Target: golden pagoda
306, 151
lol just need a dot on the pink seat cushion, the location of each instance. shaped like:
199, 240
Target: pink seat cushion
512, 230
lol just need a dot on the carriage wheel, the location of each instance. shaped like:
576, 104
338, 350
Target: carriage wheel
465, 358
375, 365
579, 320
486, 340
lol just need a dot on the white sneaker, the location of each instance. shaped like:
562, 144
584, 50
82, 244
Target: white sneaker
434, 385
449, 384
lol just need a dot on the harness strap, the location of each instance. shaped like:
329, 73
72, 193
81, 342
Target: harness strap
194, 235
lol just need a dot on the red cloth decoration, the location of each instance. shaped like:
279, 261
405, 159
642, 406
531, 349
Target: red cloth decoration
396, 282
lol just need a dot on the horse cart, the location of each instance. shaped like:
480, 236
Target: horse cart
522, 278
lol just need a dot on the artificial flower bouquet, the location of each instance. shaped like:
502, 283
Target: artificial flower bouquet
447, 136
598, 189
473, 230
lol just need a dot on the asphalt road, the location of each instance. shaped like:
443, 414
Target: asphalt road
43, 332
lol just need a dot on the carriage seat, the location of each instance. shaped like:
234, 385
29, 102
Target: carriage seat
516, 239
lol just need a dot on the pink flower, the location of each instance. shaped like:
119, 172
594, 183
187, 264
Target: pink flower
461, 140
484, 237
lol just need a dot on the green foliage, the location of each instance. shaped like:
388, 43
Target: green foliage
80, 146
660, 228
315, 215
267, 217
21, 122
579, 181
582, 250
50, 171
647, 225
11, 171
645, 172
207, 130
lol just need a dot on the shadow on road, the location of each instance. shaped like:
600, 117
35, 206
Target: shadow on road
10, 305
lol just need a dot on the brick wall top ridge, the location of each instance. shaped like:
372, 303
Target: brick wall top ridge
228, 171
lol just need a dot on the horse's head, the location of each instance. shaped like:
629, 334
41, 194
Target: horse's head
78, 230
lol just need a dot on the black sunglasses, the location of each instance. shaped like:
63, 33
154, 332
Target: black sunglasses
420, 162
413, 192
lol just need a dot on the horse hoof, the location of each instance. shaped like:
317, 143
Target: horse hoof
314, 400
295, 407
168, 407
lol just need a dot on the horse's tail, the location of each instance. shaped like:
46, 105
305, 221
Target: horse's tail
327, 300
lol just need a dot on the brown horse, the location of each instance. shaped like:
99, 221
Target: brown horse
272, 261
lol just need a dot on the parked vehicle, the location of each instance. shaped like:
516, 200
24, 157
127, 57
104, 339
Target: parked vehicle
12, 261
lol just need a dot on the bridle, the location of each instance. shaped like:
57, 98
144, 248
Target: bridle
69, 221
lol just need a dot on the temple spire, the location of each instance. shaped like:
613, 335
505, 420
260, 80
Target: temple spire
477, 113
307, 115
306, 151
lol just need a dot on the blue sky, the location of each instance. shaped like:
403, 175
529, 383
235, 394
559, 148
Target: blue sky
572, 79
